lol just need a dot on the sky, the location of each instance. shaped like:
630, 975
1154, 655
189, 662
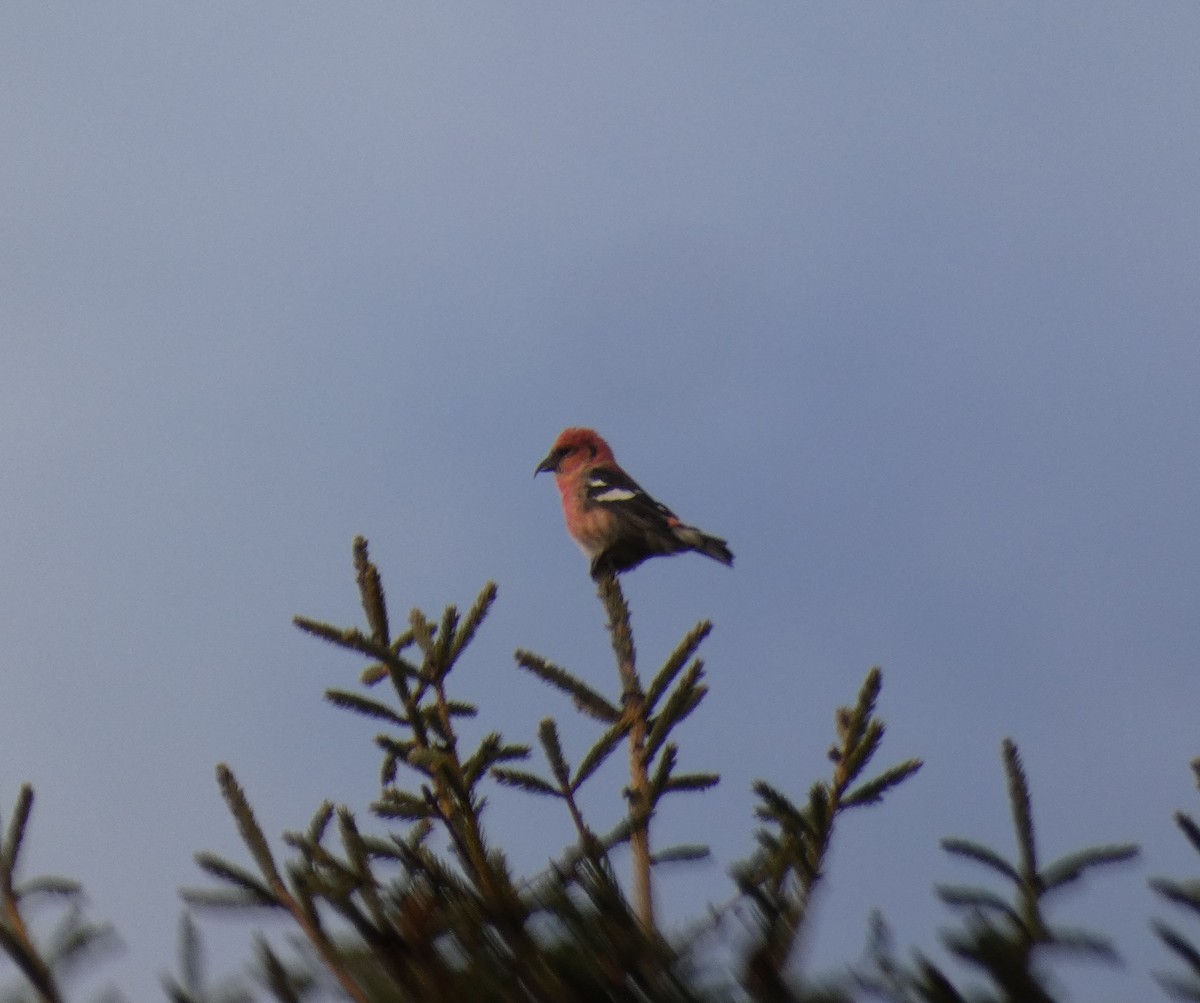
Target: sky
901, 299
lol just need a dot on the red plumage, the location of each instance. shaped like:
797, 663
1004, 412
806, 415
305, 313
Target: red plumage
617, 524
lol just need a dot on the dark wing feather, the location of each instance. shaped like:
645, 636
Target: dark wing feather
619, 492
651, 527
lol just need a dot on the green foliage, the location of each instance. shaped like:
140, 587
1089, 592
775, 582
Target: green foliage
74, 939
192, 984
1185, 895
794, 843
392, 917
419, 903
1006, 939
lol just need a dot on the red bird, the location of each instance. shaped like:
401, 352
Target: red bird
616, 523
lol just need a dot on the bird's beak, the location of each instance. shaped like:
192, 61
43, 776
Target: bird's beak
550, 464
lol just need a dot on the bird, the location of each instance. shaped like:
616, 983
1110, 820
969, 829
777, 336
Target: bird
615, 522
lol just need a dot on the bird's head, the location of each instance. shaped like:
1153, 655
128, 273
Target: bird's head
574, 448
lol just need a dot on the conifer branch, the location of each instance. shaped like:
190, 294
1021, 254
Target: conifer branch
222, 899
358, 857
274, 974
15, 938
681, 855
933, 985
297, 899
1071, 868
619, 629
248, 827
365, 706
1189, 829
531, 783
583, 696
20, 949
372, 675
49, 884
76, 941
1022, 810
779, 881
395, 753
646, 737
250, 891
444, 641
424, 632
304, 911
599, 752
855, 752
548, 735
872, 791
634, 701
977, 898
1004, 938
490, 916
981, 854
355, 640
1179, 945
371, 589
460, 708
191, 986
684, 699
475, 616
15, 834
676, 661
859, 735
491, 751
404, 806
190, 965
320, 822
692, 782
1083, 942
451, 800
1182, 893
777, 807
590, 848
662, 773
1185, 894
820, 812
391, 665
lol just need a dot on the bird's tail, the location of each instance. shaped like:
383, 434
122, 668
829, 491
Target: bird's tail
702, 543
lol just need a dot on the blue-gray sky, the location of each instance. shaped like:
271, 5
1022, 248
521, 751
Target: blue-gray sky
899, 298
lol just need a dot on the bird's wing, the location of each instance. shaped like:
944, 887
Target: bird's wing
616, 490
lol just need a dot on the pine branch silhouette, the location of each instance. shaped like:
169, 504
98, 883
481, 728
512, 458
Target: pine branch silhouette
192, 985
1023, 924
72, 942
390, 918
645, 720
1186, 896
641, 753
1006, 939
430, 911
779, 880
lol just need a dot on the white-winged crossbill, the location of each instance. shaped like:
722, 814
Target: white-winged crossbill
616, 523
